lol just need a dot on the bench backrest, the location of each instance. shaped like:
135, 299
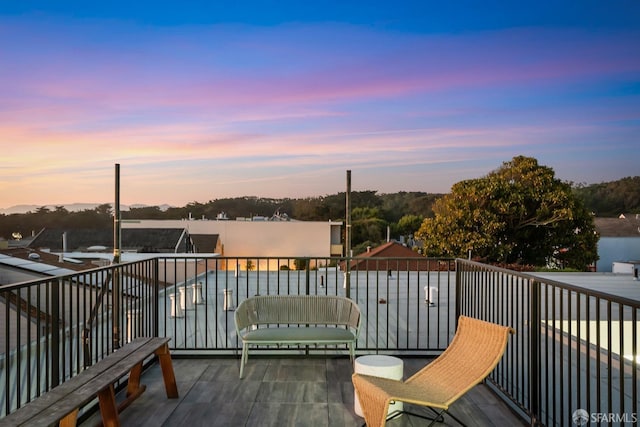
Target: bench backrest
297, 309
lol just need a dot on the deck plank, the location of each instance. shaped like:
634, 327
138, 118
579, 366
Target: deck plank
281, 391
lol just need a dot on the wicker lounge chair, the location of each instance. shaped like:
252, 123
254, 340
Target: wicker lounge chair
473, 353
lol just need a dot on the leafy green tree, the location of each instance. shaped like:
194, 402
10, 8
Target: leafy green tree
147, 212
519, 213
367, 225
610, 199
396, 205
409, 224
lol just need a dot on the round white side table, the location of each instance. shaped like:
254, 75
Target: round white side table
382, 366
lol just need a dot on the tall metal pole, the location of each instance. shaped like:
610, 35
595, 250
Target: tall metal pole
116, 220
347, 243
115, 294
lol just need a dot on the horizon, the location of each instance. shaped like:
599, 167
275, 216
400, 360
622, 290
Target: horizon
80, 206
205, 101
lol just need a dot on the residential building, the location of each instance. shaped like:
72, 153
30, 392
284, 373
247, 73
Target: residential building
259, 238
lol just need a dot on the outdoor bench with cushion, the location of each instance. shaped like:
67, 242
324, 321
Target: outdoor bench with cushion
62, 403
297, 320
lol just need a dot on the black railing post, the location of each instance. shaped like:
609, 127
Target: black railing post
347, 238
117, 283
458, 303
55, 332
156, 297
307, 278
534, 351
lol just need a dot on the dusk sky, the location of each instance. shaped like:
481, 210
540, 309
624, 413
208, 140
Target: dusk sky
201, 100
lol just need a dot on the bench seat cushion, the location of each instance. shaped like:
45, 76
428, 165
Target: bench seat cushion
293, 334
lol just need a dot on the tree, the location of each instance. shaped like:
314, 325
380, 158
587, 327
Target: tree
610, 199
147, 212
519, 213
367, 226
409, 224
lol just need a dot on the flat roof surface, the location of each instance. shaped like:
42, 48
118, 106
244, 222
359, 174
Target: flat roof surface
623, 285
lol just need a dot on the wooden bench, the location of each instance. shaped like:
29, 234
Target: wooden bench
62, 404
297, 320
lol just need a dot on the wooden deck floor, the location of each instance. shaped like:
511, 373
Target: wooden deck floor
281, 392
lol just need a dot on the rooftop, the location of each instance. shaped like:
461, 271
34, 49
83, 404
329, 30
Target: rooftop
621, 285
623, 226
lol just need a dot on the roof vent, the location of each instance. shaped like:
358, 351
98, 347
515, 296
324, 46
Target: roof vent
34, 256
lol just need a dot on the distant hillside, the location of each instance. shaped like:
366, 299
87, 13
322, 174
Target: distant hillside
73, 207
606, 199
610, 199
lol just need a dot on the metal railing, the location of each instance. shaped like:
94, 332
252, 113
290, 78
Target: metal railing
574, 348
198, 312
575, 351
53, 328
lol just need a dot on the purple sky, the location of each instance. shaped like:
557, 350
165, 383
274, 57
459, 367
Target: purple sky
197, 102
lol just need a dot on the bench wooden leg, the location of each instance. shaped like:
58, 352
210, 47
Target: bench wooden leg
133, 385
134, 388
168, 375
108, 409
70, 420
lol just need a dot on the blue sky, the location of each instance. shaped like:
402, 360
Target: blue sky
198, 100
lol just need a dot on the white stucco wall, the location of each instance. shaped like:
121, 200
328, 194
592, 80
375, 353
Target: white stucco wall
258, 238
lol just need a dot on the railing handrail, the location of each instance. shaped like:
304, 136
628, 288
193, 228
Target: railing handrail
27, 283
564, 285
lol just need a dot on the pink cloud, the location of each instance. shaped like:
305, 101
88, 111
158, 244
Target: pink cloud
283, 103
